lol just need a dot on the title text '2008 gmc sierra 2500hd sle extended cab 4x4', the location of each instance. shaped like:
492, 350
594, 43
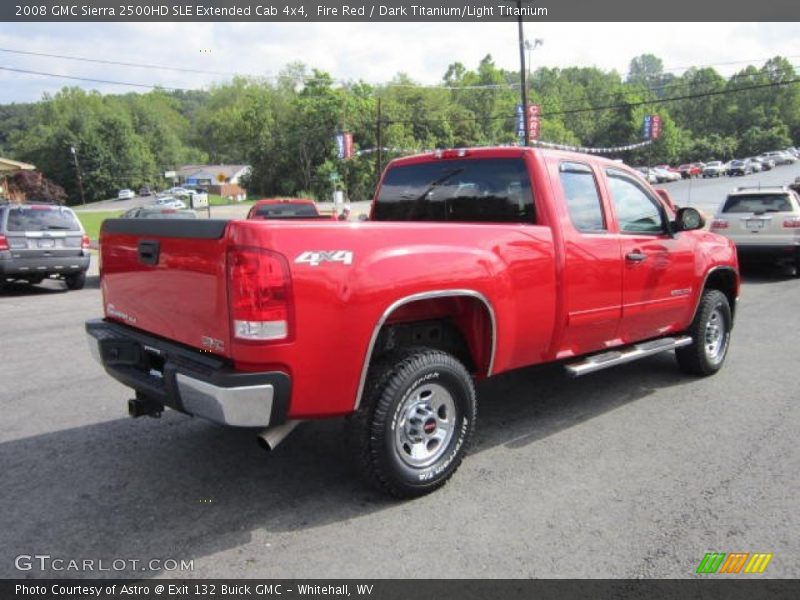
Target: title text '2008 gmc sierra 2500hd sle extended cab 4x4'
474, 262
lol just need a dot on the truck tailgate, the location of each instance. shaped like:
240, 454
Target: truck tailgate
167, 277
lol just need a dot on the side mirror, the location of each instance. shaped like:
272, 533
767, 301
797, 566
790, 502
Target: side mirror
689, 219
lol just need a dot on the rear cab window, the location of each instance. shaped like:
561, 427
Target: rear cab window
496, 190
758, 203
41, 218
284, 210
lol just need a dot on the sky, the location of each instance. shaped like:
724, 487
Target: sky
373, 52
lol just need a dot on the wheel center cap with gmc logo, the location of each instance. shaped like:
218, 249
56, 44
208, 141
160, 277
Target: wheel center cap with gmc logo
430, 426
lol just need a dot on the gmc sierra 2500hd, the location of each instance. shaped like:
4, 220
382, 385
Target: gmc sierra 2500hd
474, 262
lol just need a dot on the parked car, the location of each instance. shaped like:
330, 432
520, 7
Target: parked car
690, 170
195, 197
780, 158
125, 194
435, 292
666, 176
286, 208
647, 174
755, 164
767, 163
145, 191
715, 168
39, 241
174, 191
763, 222
153, 212
739, 167
168, 202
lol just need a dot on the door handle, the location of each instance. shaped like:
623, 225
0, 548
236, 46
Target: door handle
636, 256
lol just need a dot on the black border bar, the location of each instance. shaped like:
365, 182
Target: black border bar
707, 587
276, 11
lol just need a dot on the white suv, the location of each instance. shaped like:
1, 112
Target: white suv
764, 223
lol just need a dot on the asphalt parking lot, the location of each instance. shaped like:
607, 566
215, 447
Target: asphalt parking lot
636, 471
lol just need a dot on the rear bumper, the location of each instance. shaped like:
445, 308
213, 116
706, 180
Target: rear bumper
755, 252
192, 382
43, 265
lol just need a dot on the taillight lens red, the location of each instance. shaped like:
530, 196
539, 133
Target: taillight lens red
3, 243
719, 224
260, 298
85, 242
793, 223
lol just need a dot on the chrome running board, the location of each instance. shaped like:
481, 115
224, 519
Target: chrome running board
612, 358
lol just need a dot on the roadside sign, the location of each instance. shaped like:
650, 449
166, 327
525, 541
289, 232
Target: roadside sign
656, 127
534, 113
344, 145
170, 174
651, 127
647, 127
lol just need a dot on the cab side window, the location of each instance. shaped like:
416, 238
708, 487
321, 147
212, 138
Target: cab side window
583, 200
637, 211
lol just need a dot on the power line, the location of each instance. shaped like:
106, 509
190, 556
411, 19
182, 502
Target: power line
677, 98
599, 108
791, 69
118, 63
93, 80
507, 85
724, 64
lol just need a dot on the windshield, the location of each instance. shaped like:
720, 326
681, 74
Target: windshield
36, 218
754, 203
493, 190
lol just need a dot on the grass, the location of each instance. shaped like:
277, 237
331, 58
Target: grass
215, 200
91, 221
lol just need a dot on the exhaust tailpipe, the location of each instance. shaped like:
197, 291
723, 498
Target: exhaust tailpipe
272, 436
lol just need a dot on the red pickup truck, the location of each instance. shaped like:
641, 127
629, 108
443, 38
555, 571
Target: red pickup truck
474, 262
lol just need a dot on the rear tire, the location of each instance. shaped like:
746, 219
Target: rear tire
415, 422
711, 334
76, 281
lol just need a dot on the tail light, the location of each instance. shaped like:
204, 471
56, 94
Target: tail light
793, 223
719, 224
259, 294
85, 242
3, 243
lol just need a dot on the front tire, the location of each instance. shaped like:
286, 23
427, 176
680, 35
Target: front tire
416, 420
711, 335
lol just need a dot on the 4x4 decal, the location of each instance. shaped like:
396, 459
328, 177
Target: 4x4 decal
316, 257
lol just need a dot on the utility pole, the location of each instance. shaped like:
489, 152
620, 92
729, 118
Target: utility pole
523, 80
379, 136
78, 172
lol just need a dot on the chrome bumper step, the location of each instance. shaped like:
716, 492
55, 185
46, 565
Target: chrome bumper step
597, 362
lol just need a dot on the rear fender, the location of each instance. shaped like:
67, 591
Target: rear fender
472, 314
